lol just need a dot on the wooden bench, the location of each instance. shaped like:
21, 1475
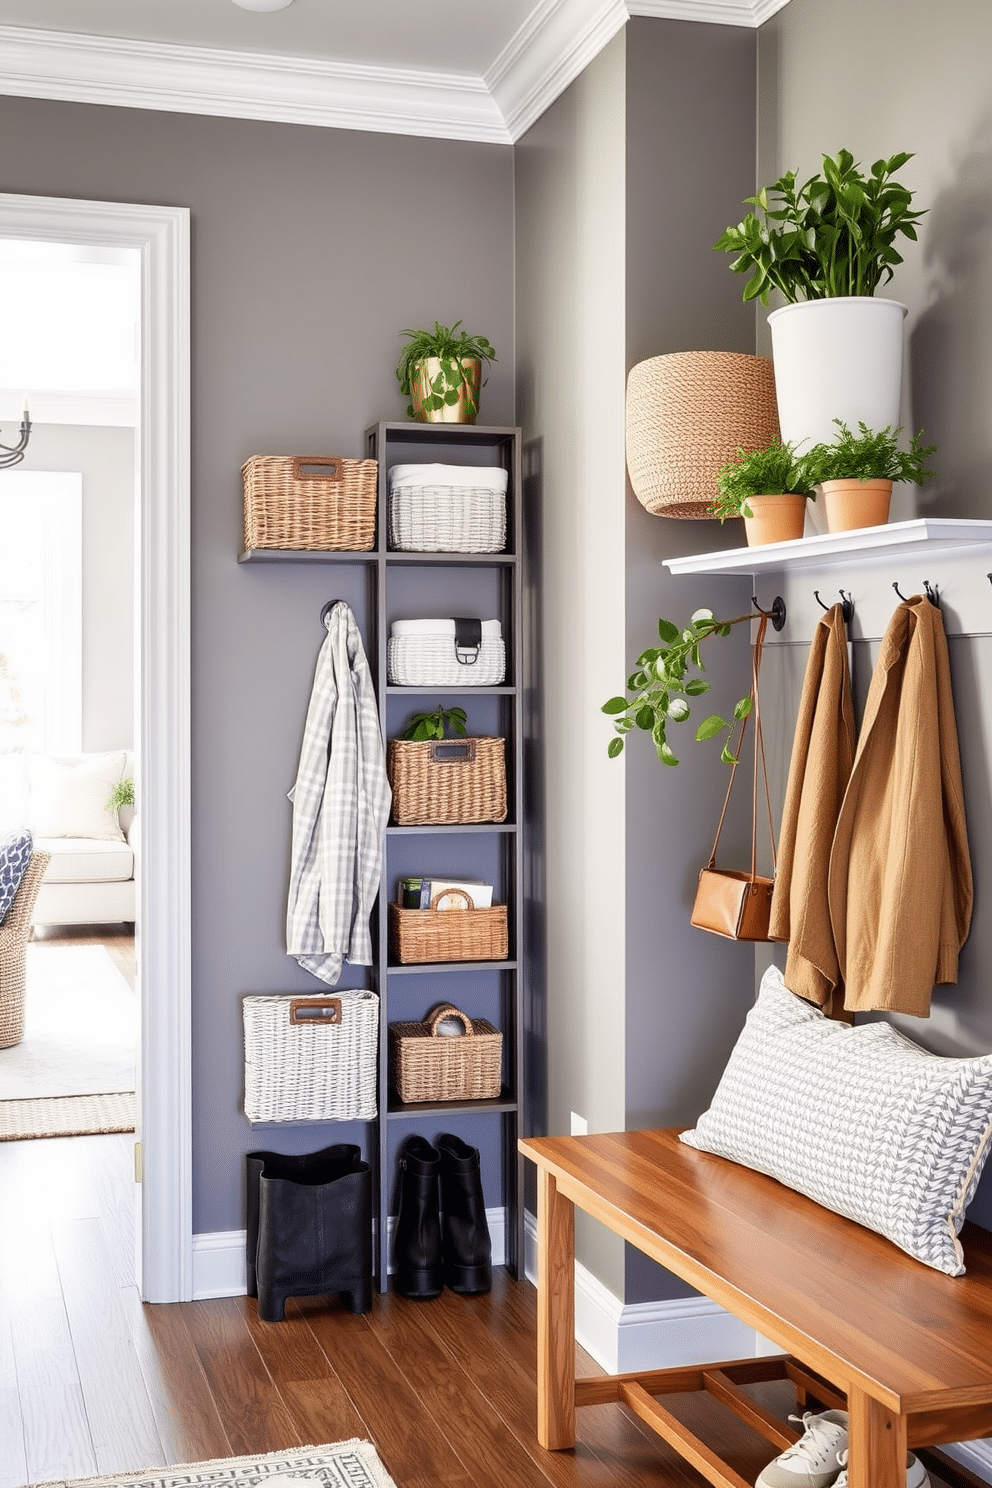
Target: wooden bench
904, 1349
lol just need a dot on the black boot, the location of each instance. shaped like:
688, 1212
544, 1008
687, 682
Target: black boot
417, 1235
468, 1250
309, 1228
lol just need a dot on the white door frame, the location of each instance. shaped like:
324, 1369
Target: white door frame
162, 746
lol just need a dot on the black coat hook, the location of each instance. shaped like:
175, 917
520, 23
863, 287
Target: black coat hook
777, 612
933, 595
846, 605
326, 611
899, 592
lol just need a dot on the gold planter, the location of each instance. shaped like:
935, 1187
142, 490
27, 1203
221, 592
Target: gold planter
437, 376
776, 519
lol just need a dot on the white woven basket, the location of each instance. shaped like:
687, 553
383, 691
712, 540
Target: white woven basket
424, 653
447, 509
311, 1058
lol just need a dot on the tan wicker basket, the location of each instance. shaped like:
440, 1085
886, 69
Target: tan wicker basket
687, 414
321, 503
14, 935
427, 1066
448, 934
444, 782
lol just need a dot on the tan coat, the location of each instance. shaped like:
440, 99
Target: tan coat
822, 756
900, 885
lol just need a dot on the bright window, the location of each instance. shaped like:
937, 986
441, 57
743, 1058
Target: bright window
40, 612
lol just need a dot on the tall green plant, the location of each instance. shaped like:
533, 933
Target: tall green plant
661, 686
833, 235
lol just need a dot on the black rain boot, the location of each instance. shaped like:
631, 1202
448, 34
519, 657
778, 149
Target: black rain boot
309, 1228
468, 1250
417, 1234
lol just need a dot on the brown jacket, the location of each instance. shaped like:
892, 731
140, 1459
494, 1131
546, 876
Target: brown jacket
822, 756
900, 885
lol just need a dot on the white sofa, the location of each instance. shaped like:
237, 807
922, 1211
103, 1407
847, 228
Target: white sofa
90, 878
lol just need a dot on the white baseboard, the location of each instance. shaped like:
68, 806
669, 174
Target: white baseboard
625, 1339
219, 1258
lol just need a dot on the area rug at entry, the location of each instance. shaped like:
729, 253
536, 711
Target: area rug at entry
67, 1116
80, 1022
347, 1464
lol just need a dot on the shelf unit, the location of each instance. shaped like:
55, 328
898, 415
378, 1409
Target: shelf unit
924, 535
403, 585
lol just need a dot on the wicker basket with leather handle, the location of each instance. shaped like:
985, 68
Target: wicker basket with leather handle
320, 503
425, 1065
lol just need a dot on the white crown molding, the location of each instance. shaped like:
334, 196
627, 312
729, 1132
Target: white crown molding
246, 85
548, 52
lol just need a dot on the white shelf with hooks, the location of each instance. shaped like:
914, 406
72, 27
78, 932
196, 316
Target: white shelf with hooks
924, 536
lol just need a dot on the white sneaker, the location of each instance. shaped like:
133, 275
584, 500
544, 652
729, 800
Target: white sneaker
916, 1473
814, 1460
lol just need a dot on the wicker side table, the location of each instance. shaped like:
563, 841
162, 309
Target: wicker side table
14, 934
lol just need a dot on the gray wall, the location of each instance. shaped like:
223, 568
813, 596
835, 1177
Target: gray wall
105, 457
614, 265
909, 75
311, 250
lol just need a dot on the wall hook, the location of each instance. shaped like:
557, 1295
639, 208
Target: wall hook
846, 605
777, 612
933, 595
899, 592
326, 611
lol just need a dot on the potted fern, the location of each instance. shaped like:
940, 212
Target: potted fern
440, 371
827, 246
856, 473
769, 488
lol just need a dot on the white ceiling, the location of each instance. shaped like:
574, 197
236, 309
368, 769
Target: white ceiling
470, 69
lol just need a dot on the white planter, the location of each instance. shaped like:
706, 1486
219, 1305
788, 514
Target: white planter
837, 358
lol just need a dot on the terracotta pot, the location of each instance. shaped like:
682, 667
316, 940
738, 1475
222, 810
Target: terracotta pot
776, 519
856, 503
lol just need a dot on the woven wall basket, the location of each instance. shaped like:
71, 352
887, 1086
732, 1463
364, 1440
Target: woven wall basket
687, 414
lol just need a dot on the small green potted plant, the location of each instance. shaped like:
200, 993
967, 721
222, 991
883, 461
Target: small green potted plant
769, 488
827, 245
440, 371
856, 473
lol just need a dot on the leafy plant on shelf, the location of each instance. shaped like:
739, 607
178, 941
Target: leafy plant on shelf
775, 470
434, 725
662, 684
833, 235
868, 455
452, 347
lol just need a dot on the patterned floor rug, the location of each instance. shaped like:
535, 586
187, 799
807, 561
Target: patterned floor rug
348, 1464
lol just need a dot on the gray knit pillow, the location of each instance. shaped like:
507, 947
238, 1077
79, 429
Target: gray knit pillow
860, 1119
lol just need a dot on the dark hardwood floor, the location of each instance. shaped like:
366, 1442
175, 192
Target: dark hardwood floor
93, 1381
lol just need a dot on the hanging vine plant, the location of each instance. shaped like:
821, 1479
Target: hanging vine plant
665, 680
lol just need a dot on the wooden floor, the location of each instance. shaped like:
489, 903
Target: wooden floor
92, 1381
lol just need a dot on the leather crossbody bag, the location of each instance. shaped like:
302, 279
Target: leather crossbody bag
734, 904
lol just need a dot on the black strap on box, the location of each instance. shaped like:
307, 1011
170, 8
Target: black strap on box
468, 641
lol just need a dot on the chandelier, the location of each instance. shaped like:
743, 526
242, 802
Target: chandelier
13, 454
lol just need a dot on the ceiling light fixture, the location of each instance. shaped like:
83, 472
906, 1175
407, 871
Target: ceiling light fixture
262, 4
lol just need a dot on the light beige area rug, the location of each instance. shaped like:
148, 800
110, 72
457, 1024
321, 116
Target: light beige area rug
348, 1464
73, 1071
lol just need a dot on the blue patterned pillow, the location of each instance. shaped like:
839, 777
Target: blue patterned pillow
15, 854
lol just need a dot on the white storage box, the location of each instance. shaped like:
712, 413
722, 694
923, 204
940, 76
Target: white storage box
446, 653
311, 1058
447, 508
